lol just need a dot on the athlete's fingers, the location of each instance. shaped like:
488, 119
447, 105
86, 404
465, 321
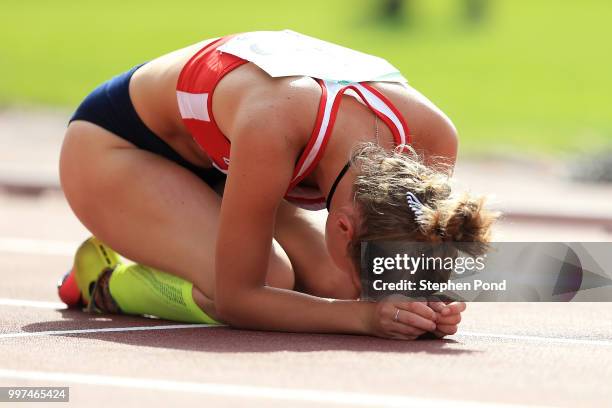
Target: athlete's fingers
404, 330
450, 319
411, 319
447, 328
438, 333
454, 308
419, 308
437, 306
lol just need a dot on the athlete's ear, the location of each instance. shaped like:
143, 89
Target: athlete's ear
345, 224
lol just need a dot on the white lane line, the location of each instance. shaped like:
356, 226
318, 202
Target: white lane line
248, 391
37, 246
32, 303
104, 330
560, 340
539, 339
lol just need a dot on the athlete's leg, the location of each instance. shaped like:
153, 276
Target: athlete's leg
148, 209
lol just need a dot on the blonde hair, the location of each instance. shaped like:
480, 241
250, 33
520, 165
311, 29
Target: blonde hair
384, 180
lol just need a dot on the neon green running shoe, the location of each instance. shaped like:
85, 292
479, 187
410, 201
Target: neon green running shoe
91, 260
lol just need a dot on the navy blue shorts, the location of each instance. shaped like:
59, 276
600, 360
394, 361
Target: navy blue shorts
110, 107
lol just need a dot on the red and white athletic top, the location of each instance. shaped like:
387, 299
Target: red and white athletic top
195, 87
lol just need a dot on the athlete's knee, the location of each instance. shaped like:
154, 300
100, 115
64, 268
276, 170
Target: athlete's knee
331, 282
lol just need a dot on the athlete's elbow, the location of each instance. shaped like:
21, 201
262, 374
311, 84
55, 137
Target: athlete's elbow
447, 141
334, 287
230, 310
226, 311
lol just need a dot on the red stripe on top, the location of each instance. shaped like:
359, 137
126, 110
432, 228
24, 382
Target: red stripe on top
313, 137
391, 106
333, 114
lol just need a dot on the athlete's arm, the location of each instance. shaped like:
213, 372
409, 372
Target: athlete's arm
262, 162
434, 134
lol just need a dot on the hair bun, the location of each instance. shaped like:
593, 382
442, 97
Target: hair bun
468, 221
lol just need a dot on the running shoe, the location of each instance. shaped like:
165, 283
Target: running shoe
92, 258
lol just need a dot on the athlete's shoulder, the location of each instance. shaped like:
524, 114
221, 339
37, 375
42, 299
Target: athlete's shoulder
290, 104
432, 131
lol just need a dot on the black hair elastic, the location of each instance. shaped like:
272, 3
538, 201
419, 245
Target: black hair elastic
333, 187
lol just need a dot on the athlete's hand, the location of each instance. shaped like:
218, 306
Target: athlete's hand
397, 318
448, 317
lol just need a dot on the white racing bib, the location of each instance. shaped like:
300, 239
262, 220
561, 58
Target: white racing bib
287, 53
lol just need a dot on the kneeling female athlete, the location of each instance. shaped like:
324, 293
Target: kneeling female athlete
231, 243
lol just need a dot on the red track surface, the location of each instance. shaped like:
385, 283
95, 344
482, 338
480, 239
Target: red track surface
534, 354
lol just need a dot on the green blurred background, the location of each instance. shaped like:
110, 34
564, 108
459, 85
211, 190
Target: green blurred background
516, 76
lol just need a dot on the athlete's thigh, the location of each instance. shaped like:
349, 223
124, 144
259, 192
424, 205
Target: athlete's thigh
147, 208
